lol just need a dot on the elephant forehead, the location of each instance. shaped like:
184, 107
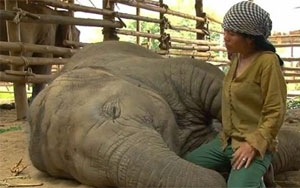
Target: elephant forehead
99, 86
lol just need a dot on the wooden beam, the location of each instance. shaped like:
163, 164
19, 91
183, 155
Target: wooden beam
284, 36
216, 30
292, 74
150, 2
18, 46
191, 41
185, 53
290, 58
189, 29
28, 61
156, 36
286, 45
200, 48
213, 19
288, 81
138, 25
291, 68
64, 20
87, 9
159, 9
36, 78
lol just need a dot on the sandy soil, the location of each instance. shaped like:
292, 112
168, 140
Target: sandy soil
13, 148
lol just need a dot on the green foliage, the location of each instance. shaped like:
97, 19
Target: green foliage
15, 128
146, 27
8, 96
293, 103
214, 36
175, 21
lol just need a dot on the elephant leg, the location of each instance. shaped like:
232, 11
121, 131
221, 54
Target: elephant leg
269, 178
40, 69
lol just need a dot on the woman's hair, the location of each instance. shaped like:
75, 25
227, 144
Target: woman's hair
261, 44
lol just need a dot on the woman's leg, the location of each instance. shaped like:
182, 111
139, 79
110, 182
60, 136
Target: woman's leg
251, 176
210, 155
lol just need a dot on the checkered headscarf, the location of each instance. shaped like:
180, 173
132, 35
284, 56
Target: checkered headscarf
248, 18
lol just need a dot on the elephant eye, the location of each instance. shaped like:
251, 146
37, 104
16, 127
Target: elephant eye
111, 109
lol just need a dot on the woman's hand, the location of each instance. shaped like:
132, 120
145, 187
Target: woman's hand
243, 156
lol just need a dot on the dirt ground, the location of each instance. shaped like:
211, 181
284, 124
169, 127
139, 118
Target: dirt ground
13, 148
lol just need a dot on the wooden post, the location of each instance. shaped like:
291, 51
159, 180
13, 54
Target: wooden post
138, 26
71, 14
13, 34
148, 41
108, 32
161, 16
164, 39
199, 13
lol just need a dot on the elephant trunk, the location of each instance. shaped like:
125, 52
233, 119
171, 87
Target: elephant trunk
146, 161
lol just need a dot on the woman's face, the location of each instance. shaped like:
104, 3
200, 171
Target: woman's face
236, 43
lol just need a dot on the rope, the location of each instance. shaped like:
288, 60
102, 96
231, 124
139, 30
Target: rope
115, 14
165, 43
25, 61
23, 49
166, 23
21, 13
208, 58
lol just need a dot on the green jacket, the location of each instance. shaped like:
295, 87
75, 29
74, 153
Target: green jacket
254, 104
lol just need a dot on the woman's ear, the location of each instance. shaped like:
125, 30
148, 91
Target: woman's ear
250, 41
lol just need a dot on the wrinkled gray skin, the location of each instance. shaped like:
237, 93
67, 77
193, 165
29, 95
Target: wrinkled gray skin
38, 33
120, 115
288, 156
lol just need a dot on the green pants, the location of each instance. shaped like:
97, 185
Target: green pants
211, 155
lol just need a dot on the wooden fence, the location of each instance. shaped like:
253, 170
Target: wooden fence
113, 25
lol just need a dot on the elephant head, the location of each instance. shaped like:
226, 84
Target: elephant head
105, 125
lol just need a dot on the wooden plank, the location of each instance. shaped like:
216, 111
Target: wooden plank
19, 46
156, 36
159, 9
93, 10
37, 78
286, 45
291, 68
284, 36
200, 48
185, 53
290, 58
292, 74
288, 81
63, 20
28, 61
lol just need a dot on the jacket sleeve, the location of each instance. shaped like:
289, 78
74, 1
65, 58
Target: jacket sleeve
273, 88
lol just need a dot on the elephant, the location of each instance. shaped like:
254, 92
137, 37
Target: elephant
37, 33
287, 158
121, 115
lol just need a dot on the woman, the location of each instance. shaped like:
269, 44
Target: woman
253, 103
